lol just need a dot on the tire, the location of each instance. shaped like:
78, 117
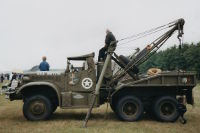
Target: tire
129, 108
54, 107
165, 109
112, 106
37, 108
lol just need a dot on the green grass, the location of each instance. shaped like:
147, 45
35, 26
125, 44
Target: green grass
12, 121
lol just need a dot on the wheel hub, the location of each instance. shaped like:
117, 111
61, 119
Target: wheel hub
129, 109
37, 108
167, 109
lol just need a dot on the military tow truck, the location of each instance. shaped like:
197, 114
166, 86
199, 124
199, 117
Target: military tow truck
86, 87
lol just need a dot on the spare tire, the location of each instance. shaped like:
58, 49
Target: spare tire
126, 60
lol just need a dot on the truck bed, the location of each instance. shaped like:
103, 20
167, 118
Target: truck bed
173, 78
172, 83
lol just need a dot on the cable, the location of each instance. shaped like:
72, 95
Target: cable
142, 36
148, 31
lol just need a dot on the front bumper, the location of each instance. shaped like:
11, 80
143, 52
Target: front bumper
9, 92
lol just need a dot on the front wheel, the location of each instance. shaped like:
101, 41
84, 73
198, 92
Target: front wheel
129, 108
37, 107
54, 107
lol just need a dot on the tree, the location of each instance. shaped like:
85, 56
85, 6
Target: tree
187, 58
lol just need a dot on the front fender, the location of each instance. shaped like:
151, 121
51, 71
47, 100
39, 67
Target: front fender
54, 87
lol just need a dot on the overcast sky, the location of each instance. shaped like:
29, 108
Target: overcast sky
30, 29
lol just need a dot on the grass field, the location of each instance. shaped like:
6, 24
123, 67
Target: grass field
12, 121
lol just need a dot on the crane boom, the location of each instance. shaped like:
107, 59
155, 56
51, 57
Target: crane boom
148, 51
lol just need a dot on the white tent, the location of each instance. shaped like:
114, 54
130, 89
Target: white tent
18, 71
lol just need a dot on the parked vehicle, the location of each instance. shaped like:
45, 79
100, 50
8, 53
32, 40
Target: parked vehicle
86, 87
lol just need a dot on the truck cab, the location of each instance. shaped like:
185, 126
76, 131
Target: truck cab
72, 88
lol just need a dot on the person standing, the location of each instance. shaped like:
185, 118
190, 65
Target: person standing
1, 78
109, 38
14, 76
44, 66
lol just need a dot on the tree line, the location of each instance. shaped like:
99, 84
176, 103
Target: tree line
186, 57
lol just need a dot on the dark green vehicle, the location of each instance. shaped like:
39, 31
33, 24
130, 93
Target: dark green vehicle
128, 93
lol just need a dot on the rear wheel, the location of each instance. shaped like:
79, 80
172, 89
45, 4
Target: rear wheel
37, 107
165, 109
129, 108
112, 106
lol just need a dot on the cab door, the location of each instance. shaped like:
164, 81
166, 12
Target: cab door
81, 82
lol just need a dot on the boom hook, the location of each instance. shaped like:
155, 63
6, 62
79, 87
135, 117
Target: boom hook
180, 32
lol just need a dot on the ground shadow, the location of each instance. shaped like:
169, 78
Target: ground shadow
97, 116
81, 116
77, 116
